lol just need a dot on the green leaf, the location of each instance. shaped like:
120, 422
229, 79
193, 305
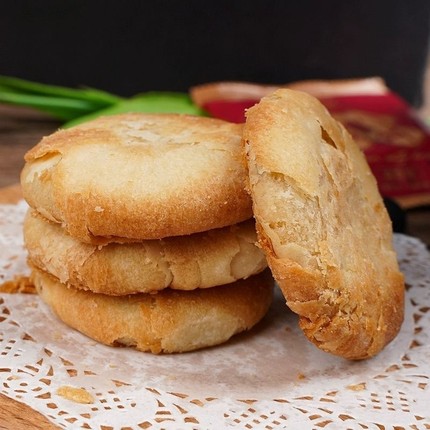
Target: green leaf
151, 102
61, 108
22, 86
74, 106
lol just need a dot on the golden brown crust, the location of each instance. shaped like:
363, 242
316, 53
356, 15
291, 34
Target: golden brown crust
20, 284
168, 321
200, 260
139, 176
323, 225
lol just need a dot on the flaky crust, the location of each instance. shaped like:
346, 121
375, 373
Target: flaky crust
168, 321
323, 225
139, 176
201, 260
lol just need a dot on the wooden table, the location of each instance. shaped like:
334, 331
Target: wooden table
20, 129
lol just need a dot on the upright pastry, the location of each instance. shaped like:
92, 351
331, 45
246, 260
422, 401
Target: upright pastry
323, 225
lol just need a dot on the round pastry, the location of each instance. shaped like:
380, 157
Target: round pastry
200, 260
168, 321
323, 225
139, 176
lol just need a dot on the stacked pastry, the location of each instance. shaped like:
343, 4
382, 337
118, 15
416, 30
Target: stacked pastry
140, 231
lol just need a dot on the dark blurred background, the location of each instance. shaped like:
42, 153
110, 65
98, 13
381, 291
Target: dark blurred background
133, 46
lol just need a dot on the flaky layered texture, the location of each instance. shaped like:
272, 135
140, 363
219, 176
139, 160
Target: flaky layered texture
201, 260
168, 321
139, 176
323, 225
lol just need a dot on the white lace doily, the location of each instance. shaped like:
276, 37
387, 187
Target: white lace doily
270, 378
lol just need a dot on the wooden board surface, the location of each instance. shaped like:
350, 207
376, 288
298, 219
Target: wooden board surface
11, 194
18, 416
15, 415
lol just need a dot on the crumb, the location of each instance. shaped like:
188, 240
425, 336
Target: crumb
300, 376
172, 378
58, 335
357, 387
31, 305
19, 284
78, 395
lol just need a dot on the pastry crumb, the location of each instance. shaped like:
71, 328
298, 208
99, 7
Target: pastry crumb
301, 376
357, 387
20, 284
78, 395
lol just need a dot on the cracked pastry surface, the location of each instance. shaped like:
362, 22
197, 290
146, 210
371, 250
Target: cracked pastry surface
323, 225
139, 176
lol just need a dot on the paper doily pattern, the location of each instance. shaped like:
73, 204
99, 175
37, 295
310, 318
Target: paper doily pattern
270, 378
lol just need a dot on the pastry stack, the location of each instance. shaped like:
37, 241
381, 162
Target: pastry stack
140, 231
